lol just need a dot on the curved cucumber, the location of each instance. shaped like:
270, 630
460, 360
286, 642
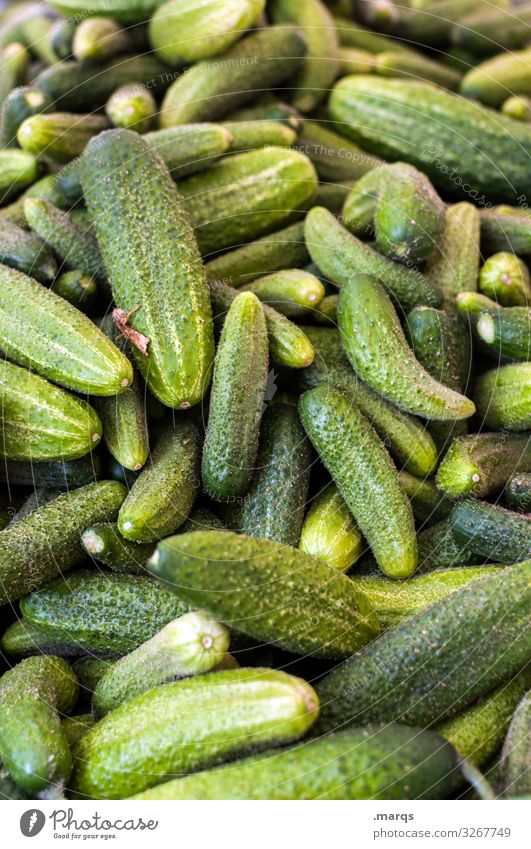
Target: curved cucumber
481, 464
59, 136
329, 531
26, 252
507, 332
105, 543
293, 292
491, 531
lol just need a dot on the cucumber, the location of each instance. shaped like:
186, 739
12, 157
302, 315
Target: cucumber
454, 265
97, 39
80, 290
238, 387
377, 348
32, 28
515, 753
503, 399
293, 292
518, 492
21, 103
354, 34
268, 107
133, 107
517, 107
352, 60
46, 543
18, 170
182, 32
125, 11
336, 252
273, 506
190, 147
284, 248
471, 305
492, 80
360, 763
74, 727
506, 229
469, 148
432, 22
326, 311
22, 639
491, 30
89, 671
308, 606
190, 645
335, 158
439, 549
105, 544
74, 245
438, 661
214, 87
507, 333
59, 136
163, 494
57, 340
61, 38
491, 531
403, 207
37, 499
202, 519
183, 727
406, 437
364, 475
505, 279
248, 135
248, 195
42, 422
313, 80
168, 286
26, 252
427, 502
33, 746
101, 612
54, 474
398, 64
45, 189
329, 531
332, 195
481, 464
14, 59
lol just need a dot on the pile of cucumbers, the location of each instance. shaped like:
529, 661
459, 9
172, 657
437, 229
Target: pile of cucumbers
265, 399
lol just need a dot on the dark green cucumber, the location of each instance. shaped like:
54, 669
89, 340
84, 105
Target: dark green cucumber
167, 288
364, 474
503, 397
97, 39
354, 34
329, 531
14, 60
273, 506
273, 593
18, 170
61, 38
238, 387
74, 245
21, 103
461, 146
507, 333
78, 289
89, 671
491, 30
268, 107
192, 644
133, 107
201, 519
42, 422
438, 661
439, 549
216, 86
105, 543
249, 135
54, 474
74, 727
398, 64
163, 494
293, 292
33, 746
190, 147
248, 195
45, 189
59, 136
494, 79
492, 531
505, 278
326, 311
515, 753
427, 502
26, 252
102, 612
46, 543
518, 492
336, 252
481, 464
506, 229
22, 639
391, 762
335, 158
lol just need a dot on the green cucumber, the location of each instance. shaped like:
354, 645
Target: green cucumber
505, 279
190, 147
354, 34
182, 32
33, 746
133, 107
46, 543
190, 645
78, 289
506, 229
329, 531
391, 762
332, 195
54, 474
14, 62
45, 189
439, 549
427, 502
284, 248
273, 506
403, 207
201, 519
507, 333
32, 27
125, 11
163, 494
398, 64
74, 245
59, 136
432, 21
335, 158
454, 264
481, 464
167, 288
365, 476
42, 422
515, 753
470, 305
308, 607
518, 492
89, 671
61, 38
503, 397
517, 107
336, 252
101, 612
22, 639
352, 60
326, 311
439, 660
491, 30
18, 170
74, 727
268, 107
377, 348
248, 195
491, 531
469, 148
26, 252
34, 501
293, 292
492, 80
97, 39
21, 103
105, 544
248, 135
238, 387
215, 86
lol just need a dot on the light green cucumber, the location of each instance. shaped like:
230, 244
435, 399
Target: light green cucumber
517, 107
504, 277
515, 753
78, 289
491, 531
470, 305
398, 64
329, 531
518, 492
190, 645
353, 60
335, 158
454, 264
133, 107
190, 147
22, 639
74, 245
249, 135
427, 502
481, 464
293, 292
59, 136
308, 606
494, 79
97, 39
125, 11
506, 228
21, 103
26, 252
507, 332
18, 170
326, 311
105, 543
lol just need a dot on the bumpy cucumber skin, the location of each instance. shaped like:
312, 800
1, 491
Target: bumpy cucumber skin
503, 397
440, 133
335, 158
74, 727
75, 245
42, 422
273, 507
494, 79
18, 170
330, 532
515, 752
518, 492
238, 386
105, 543
169, 285
32, 743
55, 474
46, 543
59, 136
190, 147
507, 332
377, 348
89, 671
406, 437
504, 277
439, 660
336, 252
481, 464
308, 606
427, 502
439, 549
248, 195
492, 531
125, 11
508, 230
215, 86
184, 727
364, 474
26, 252
293, 292
163, 494
391, 762
100, 612
22, 639
454, 265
